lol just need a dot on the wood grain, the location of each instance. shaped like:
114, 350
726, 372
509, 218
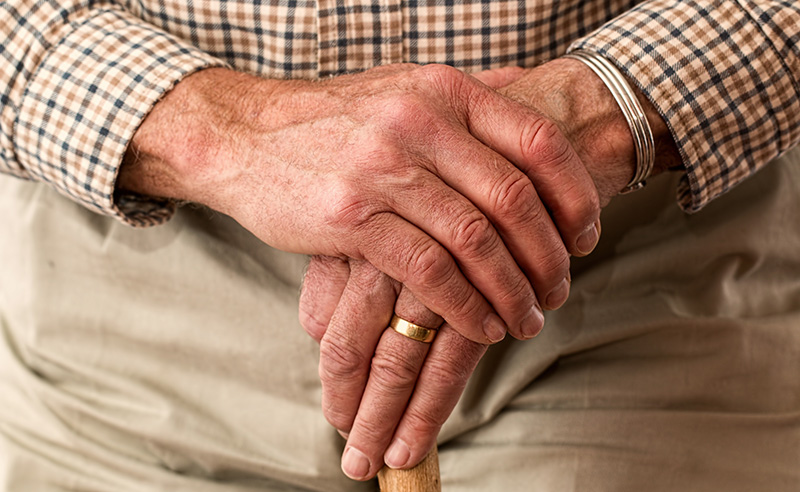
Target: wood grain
422, 478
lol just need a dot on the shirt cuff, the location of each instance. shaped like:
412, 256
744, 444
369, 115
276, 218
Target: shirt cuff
85, 101
723, 88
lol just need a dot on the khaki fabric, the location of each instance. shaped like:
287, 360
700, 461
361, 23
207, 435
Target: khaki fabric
171, 359
674, 366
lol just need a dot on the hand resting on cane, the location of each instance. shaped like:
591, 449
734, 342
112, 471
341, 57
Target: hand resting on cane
406, 167
393, 394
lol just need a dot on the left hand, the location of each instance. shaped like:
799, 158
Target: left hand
384, 388
374, 378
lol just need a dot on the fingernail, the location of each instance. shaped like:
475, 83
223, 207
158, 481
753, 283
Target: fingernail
355, 464
559, 295
588, 239
397, 455
494, 328
533, 322
343, 433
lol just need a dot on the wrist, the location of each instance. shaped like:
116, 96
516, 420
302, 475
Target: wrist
184, 147
572, 95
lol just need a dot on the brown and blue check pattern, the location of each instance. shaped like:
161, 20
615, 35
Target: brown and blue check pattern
79, 76
725, 76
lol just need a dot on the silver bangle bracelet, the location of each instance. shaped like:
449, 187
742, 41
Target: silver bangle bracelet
643, 143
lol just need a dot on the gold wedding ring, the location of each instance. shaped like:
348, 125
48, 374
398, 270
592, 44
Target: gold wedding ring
411, 330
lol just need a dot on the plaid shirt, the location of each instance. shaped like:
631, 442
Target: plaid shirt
79, 76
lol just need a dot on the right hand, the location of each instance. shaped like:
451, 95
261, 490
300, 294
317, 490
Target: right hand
422, 171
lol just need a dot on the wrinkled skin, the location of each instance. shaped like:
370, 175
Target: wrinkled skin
382, 388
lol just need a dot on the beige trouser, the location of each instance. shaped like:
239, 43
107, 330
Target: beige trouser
171, 359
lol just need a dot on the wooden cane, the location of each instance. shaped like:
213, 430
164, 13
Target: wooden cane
422, 478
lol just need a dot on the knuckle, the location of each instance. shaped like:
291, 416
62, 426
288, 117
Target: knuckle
541, 141
350, 206
337, 417
452, 368
553, 266
446, 374
404, 113
430, 265
393, 372
593, 208
339, 360
538, 214
356, 215
324, 263
589, 207
474, 234
452, 82
426, 417
380, 152
515, 196
442, 74
400, 110
424, 421
372, 430
466, 304
516, 291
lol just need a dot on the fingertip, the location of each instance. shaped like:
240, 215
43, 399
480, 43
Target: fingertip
494, 328
588, 239
558, 296
402, 456
397, 454
355, 464
533, 323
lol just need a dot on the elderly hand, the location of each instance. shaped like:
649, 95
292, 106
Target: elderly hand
419, 170
392, 394
372, 377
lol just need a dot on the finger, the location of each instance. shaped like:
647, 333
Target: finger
497, 78
448, 366
534, 144
481, 254
508, 197
537, 147
323, 284
393, 373
410, 309
413, 258
347, 347
511, 202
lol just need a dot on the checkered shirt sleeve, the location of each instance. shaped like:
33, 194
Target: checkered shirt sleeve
77, 80
725, 76
77, 77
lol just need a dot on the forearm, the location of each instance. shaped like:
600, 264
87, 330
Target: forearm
182, 149
78, 77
